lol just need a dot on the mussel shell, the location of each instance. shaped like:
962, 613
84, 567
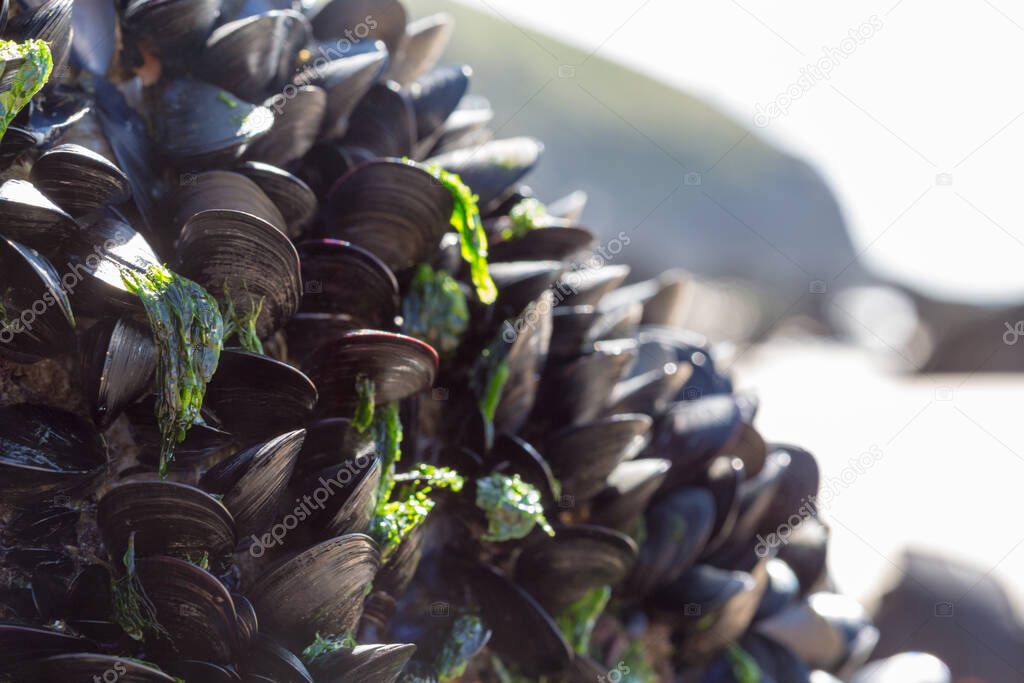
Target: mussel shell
677, 528
396, 211
569, 208
194, 609
16, 141
19, 643
334, 18
363, 664
575, 392
49, 21
256, 54
781, 592
523, 633
171, 28
297, 123
224, 190
46, 452
649, 393
329, 442
806, 551
383, 123
94, 27
435, 95
118, 362
587, 286
560, 570
521, 282
350, 282
467, 126
26, 279
549, 244
96, 257
294, 198
399, 366
724, 476
267, 657
318, 591
424, 42
238, 255
693, 432
345, 81
4, 11
797, 491
203, 439
167, 518
493, 169
518, 457
79, 180
526, 359
630, 487
198, 125
258, 397
196, 670
583, 456
32, 219
81, 666
260, 474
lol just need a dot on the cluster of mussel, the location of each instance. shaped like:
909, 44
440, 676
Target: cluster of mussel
269, 153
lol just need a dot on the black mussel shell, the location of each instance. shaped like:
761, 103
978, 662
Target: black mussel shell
118, 362
294, 198
526, 359
4, 10
570, 330
589, 285
94, 35
806, 551
522, 282
693, 432
494, 169
583, 456
50, 22
467, 126
267, 657
32, 219
383, 123
663, 298
575, 392
348, 281
363, 664
345, 81
400, 568
256, 54
240, 257
297, 122
222, 190
569, 208
193, 608
750, 448
425, 41
649, 393
19, 643
560, 570
81, 666
724, 476
97, 255
549, 244
396, 211
329, 442
435, 95
782, 590
198, 125
173, 29
378, 20
630, 487
253, 482
46, 452
797, 492
518, 457
27, 282
15, 141
196, 670
167, 518
399, 366
79, 180
524, 634
318, 591
258, 397
352, 486
248, 624
203, 439
677, 527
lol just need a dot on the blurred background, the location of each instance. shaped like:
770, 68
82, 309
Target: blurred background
840, 181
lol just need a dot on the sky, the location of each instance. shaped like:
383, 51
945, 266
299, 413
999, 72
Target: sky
909, 109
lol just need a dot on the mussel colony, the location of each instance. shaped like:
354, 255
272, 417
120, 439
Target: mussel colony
300, 382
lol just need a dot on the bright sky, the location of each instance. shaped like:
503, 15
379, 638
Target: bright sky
918, 127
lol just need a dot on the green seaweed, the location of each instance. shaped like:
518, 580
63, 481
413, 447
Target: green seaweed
227, 100
366, 392
133, 610
242, 325
322, 646
32, 64
576, 622
410, 504
489, 374
529, 214
513, 507
188, 331
387, 429
435, 309
744, 668
472, 237
461, 644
